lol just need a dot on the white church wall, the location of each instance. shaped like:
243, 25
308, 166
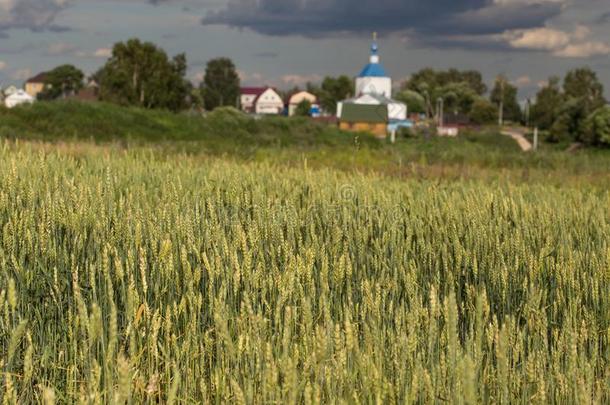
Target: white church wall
397, 111
375, 85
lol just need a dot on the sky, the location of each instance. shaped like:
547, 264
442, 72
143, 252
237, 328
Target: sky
290, 42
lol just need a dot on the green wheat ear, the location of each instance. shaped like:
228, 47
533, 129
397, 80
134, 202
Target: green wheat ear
139, 276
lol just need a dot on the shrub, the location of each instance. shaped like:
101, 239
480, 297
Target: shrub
596, 128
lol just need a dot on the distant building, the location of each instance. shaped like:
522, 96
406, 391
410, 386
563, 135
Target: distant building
35, 85
89, 93
452, 124
365, 118
373, 90
261, 100
397, 111
298, 98
18, 98
10, 90
248, 97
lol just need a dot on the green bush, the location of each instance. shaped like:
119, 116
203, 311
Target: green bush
596, 128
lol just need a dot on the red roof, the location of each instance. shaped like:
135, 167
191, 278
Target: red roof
39, 78
256, 91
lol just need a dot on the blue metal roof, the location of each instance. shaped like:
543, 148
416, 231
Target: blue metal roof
373, 70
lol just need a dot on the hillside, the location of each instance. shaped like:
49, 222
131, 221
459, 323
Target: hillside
298, 141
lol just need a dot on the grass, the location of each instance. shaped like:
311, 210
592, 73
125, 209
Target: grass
132, 276
292, 142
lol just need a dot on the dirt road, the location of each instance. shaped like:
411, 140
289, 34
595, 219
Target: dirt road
517, 135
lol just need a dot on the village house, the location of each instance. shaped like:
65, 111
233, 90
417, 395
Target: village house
35, 85
261, 100
298, 98
89, 93
18, 98
10, 90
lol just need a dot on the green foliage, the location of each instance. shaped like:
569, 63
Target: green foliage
141, 74
303, 109
505, 94
429, 80
415, 102
131, 276
582, 84
225, 130
568, 124
549, 101
483, 112
458, 97
404, 132
63, 81
458, 89
596, 128
333, 90
220, 86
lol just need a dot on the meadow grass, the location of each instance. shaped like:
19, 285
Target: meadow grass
226, 133
133, 276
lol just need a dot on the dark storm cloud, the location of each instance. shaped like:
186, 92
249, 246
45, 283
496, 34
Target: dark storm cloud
419, 17
36, 15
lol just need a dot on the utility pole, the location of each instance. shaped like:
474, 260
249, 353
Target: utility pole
536, 138
501, 110
441, 114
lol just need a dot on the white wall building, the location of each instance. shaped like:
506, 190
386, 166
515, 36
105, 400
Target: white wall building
298, 98
261, 100
374, 87
17, 98
373, 78
269, 102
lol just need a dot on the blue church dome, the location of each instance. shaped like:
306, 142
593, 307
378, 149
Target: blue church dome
374, 68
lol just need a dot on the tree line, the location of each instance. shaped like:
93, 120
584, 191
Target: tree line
142, 74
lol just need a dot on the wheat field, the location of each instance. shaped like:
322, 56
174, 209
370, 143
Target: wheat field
132, 277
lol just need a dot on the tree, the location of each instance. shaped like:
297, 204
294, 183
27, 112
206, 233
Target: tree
140, 73
548, 103
334, 90
63, 81
568, 124
415, 102
457, 97
303, 109
583, 84
429, 80
220, 86
457, 88
504, 95
596, 128
483, 112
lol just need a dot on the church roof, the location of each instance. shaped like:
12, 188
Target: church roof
373, 70
364, 113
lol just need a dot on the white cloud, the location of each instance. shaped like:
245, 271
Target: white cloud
560, 43
103, 53
584, 50
543, 39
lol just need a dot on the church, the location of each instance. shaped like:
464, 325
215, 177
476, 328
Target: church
373, 108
